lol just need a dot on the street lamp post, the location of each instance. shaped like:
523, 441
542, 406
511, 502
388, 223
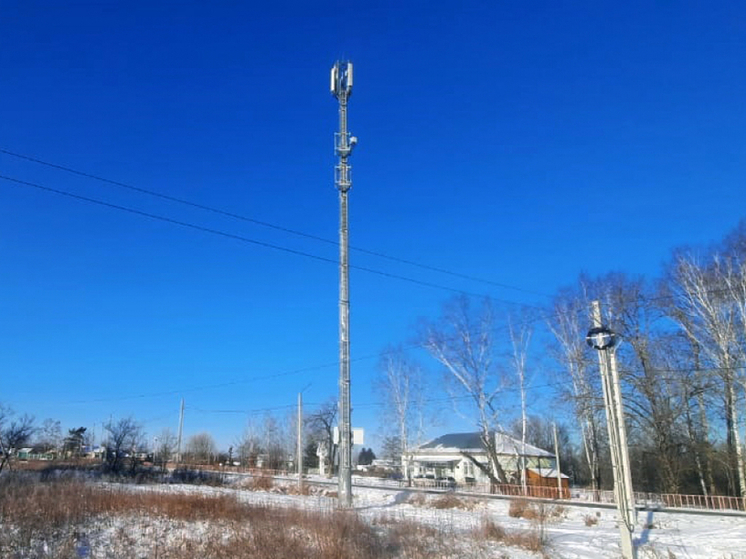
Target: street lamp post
603, 340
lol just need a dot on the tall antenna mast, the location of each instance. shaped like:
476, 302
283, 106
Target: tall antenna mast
341, 88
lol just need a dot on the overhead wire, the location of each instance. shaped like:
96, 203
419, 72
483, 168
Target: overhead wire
274, 247
249, 240
261, 223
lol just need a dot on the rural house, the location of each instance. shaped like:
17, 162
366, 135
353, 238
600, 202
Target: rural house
445, 458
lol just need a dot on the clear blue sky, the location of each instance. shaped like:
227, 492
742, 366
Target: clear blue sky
521, 142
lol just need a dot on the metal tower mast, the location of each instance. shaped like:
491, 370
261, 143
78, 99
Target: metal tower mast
341, 88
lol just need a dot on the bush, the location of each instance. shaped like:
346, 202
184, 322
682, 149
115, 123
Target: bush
532, 540
62, 519
490, 530
590, 520
519, 508
417, 499
451, 501
261, 482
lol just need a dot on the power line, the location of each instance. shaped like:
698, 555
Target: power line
249, 240
261, 223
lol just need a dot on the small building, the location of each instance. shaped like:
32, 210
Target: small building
25, 453
446, 457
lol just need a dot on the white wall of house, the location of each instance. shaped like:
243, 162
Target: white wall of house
462, 469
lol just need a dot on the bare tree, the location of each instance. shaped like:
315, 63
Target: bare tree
520, 337
201, 448
248, 445
708, 314
164, 448
276, 441
569, 330
49, 435
654, 395
14, 433
321, 426
124, 436
463, 342
401, 385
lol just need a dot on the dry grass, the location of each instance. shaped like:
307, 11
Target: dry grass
531, 540
539, 512
451, 501
590, 520
76, 519
519, 508
304, 489
417, 499
444, 501
262, 482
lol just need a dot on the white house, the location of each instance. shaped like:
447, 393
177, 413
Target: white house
445, 458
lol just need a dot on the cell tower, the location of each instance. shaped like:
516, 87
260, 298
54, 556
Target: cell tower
341, 88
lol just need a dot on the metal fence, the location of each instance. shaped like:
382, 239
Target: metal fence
649, 500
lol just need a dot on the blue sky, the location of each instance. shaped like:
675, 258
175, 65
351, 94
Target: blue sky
522, 143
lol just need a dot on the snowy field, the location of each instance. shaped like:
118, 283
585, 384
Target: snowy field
658, 534
98, 519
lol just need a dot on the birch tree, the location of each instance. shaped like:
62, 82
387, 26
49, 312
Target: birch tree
520, 337
653, 395
569, 329
462, 341
401, 385
708, 315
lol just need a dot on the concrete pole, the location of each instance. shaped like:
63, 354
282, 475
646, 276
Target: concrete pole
625, 468
557, 462
300, 442
617, 433
181, 428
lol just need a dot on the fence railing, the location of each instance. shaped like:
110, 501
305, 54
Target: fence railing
664, 500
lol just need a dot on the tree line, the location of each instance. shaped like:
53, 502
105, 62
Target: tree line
682, 362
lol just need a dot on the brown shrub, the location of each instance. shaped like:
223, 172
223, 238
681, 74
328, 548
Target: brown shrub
538, 512
590, 520
531, 540
519, 508
261, 482
53, 519
304, 489
451, 501
490, 530
417, 499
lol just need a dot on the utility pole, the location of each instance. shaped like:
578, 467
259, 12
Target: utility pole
604, 340
300, 442
557, 461
341, 88
181, 427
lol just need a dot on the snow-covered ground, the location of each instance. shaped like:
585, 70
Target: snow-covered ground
574, 533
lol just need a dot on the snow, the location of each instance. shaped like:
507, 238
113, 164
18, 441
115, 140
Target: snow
571, 532
658, 534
